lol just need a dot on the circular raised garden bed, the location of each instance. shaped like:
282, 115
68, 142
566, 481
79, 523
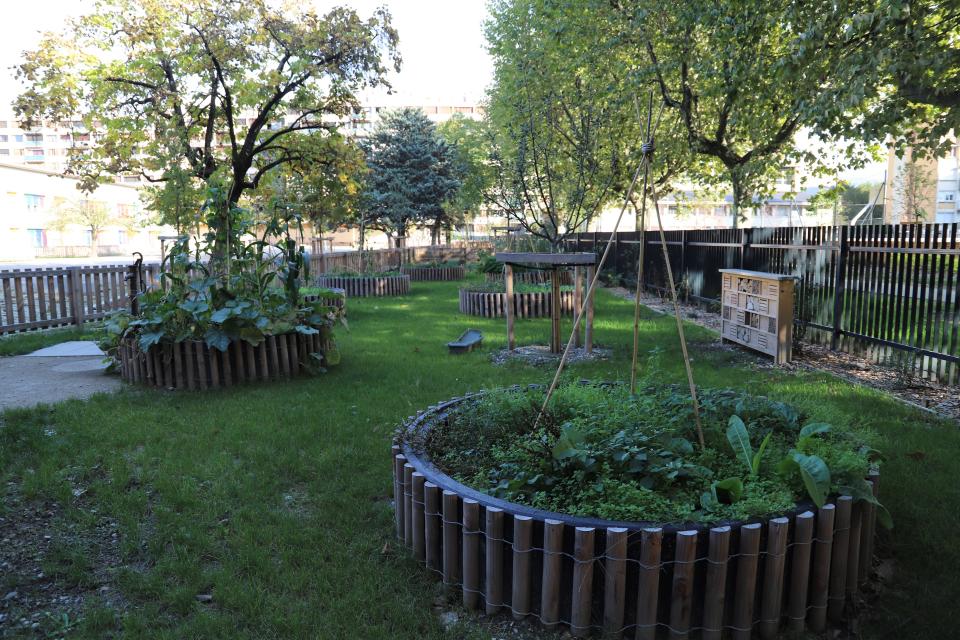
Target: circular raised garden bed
336, 298
434, 274
192, 364
530, 304
367, 286
642, 579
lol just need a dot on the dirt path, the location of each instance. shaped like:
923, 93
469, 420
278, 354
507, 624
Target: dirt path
942, 400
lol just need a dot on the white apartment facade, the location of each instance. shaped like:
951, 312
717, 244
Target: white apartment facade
923, 189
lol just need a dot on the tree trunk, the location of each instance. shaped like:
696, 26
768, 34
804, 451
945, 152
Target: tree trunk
737, 196
94, 242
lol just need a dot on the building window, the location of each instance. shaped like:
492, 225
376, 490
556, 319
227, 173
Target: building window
121, 236
4, 152
38, 238
34, 201
3, 124
34, 137
18, 138
88, 237
4, 138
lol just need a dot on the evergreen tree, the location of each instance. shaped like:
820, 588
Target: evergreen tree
413, 174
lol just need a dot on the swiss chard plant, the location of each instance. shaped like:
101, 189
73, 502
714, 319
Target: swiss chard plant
240, 283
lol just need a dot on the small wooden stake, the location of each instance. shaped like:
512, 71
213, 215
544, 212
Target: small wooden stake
746, 583
820, 570
772, 596
800, 571
432, 540
552, 557
582, 596
681, 602
408, 505
838, 565
716, 586
615, 581
522, 538
451, 538
494, 560
471, 554
419, 539
649, 583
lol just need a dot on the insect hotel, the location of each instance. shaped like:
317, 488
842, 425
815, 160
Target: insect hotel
758, 312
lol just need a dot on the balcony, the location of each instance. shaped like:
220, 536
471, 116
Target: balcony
34, 158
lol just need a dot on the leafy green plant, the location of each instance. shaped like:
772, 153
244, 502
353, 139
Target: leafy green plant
248, 293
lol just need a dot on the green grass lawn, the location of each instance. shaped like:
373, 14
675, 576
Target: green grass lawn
21, 343
275, 499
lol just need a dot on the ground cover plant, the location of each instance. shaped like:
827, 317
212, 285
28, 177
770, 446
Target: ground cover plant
274, 499
437, 264
599, 451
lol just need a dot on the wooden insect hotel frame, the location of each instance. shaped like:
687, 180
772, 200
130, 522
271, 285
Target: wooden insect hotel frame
757, 312
582, 264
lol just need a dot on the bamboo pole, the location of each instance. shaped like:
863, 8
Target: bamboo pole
471, 554
615, 581
494, 560
582, 596
522, 537
651, 541
820, 569
550, 583
681, 597
643, 242
716, 586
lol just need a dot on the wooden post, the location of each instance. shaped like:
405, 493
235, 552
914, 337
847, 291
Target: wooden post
76, 295
746, 584
772, 596
615, 581
649, 583
838, 290
419, 540
681, 598
408, 505
800, 571
431, 508
588, 326
508, 283
471, 554
552, 571
578, 302
451, 538
398, 461
494, 560
820, 569
853, 563
838, 564
554, 311
133, 278
582, 596
522, 537
716, 587
869, 529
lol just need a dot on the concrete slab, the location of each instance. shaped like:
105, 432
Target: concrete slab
29, 380
71, 348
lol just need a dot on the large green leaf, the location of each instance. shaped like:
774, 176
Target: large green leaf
758, 457
739, 439
729, 490
216, 339
815, 475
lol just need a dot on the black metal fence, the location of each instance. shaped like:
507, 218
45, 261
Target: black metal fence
887, 291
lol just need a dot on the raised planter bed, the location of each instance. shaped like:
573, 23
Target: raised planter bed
338, 301
530, 277
641, 579
434, 274
488, 304
367, 286
192, 364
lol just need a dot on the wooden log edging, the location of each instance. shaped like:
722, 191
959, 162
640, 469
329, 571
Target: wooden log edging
368, 286
741, 579
340, 302
531, 304
531, 277
434, 274
193, 365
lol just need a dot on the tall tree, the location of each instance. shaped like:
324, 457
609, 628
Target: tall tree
729, 71
895, 69
470, 141
412, 175
220, 87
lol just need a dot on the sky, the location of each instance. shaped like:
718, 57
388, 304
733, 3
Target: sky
441, 44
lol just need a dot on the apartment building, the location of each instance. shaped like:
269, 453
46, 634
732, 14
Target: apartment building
44, 215
923, 189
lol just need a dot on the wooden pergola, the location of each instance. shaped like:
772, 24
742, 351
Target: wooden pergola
583, 264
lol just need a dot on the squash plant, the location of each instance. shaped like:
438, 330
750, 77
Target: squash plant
247, 292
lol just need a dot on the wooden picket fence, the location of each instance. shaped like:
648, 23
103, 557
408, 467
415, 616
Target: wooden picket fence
42, 298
